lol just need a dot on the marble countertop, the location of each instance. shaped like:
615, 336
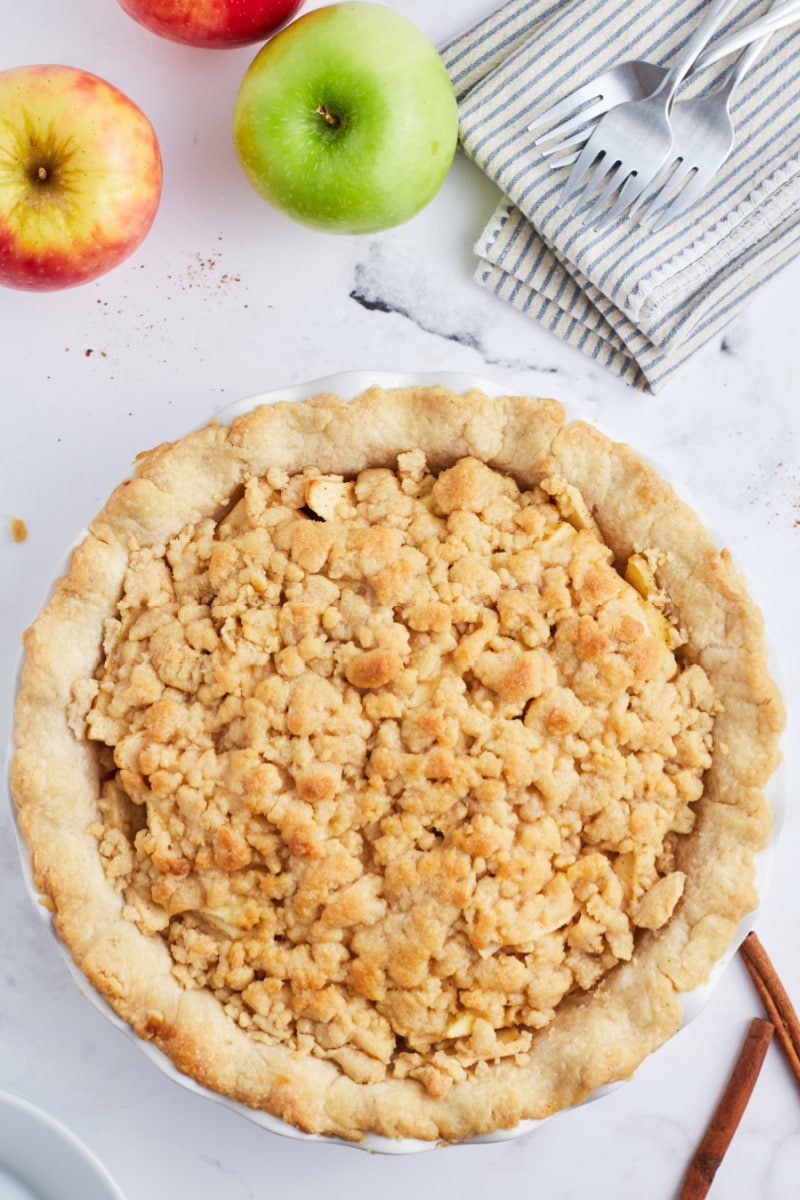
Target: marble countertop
226, 299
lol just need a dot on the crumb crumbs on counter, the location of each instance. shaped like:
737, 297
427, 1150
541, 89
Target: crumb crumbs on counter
18, 530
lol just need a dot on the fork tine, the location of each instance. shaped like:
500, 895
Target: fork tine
698, 179
682, 201
585, 117
565, 162
586, 94
666, 187
630, 191
651, 194
582, 171
660, 185
567, 146
614, 179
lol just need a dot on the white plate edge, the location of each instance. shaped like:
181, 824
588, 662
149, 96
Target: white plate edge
74, 1145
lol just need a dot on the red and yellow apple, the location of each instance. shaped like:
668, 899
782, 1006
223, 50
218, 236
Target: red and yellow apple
80, 176
214, 24
346, 119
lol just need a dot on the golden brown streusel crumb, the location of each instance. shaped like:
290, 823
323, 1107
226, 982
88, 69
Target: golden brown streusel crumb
399, 762
18, 529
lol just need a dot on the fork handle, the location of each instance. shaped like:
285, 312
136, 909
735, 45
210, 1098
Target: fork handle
782, 13
716, 14
744, 62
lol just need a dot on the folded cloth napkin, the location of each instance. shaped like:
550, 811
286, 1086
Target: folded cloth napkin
639, 302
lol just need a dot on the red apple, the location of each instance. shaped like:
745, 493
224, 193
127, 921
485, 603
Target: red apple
80, 177
213, 24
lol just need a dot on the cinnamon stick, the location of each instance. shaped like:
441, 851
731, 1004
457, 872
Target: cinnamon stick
777, 1004
723, 1124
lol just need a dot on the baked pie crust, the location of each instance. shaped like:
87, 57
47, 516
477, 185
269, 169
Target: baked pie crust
394, 764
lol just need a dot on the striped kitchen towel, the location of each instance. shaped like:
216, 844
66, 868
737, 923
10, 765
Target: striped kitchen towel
640, 303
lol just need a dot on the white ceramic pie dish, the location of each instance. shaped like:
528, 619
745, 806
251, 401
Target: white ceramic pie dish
348, 385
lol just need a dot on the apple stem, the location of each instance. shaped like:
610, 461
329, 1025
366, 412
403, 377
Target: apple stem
41, 174
328, 116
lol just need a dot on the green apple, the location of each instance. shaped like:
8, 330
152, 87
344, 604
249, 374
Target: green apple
346, 120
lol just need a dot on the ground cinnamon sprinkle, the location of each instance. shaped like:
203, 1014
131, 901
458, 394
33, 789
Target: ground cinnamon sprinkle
723, 1124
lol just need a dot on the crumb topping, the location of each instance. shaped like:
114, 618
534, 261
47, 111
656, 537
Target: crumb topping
395, 763
18, 530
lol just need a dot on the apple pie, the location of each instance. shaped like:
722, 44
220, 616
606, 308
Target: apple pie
394, 765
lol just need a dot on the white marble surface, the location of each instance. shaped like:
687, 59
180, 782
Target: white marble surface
225, 299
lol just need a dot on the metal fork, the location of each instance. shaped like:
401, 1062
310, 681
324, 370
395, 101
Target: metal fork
635, 79
631, 142
631, 80
703, 138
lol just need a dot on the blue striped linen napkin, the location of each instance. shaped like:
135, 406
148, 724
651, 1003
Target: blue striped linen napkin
638, 302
